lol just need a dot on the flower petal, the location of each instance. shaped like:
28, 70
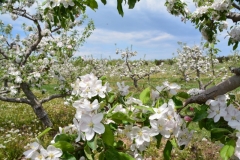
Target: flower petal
99, 128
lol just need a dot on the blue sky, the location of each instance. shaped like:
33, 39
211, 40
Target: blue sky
149, 28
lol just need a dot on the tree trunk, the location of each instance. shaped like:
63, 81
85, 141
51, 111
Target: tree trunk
5, 83
135, 82
220, 89
36, 105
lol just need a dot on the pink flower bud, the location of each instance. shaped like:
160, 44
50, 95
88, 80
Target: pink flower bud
187, 118
191, 108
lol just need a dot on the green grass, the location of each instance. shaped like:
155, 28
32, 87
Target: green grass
19, 125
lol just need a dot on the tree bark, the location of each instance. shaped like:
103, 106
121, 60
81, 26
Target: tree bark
135, 83
36, 105
220, 89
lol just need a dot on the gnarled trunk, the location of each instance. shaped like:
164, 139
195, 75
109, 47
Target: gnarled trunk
36, 105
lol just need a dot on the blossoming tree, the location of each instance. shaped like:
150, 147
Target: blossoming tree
38, 54
135, 70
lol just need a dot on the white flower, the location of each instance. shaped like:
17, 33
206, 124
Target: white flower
13, 91
132, 100
195, 91
93, 124
52, 153
2, 146
141, 134
122, 88
82, 158
33, 148
171, 87
184, 136
200, 11
235, 33
128, 131
223, 25
100, 89
159, 112
86, 105
38, 156
18, 79
80, 133
217, 110
119, 108
221, 5
67, 3
233, 116
161, 126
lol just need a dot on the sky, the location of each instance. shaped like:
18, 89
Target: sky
148, 29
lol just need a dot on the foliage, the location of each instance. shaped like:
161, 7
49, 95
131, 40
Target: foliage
102, 113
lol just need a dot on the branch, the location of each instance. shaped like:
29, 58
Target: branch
234, 16
35, 44
53, 97
15, 100
23, 14
55, 29
236, 6
220, 89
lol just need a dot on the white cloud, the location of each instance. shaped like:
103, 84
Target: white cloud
140, 37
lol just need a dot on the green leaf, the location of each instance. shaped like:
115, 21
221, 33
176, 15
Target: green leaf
119, 7
101, 156
131, 3
167, 150
67, 156
104, 2
118, 117
202, 124
92, 4
103, 79
219, 133
159, 138
93, 143
44, 132
200, 113
178, 103
124, 156
108, 136
88, 152
174, 143
144, 108
112, 97
71, 16
235, 46
63, 137
64, 146
112, 154
228, 149
183, 95
145, 95
159, 102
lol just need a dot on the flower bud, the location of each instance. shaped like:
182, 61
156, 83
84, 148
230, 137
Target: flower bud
187, 118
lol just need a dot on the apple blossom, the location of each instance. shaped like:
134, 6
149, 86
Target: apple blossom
52, 153
92, 124
140, 135
33, 148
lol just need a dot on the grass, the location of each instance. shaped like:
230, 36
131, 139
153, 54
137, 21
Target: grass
19, 125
